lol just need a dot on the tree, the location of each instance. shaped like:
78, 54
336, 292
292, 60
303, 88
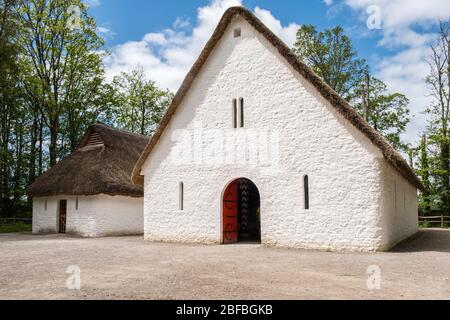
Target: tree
385, 112
438, 129
424, 172
139, 103
84, 104
331, 55
60, 46
11, 112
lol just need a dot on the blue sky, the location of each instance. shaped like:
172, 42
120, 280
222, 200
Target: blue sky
130, 21
165, 37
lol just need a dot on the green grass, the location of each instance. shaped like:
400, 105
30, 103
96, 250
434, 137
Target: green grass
14, 228
424, 225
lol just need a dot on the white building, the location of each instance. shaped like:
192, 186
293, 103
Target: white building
256, 147
90, 193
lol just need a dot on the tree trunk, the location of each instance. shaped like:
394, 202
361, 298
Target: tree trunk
72, 128
366, 99
33, 141
18, 174
425, 174
41, 142
446, 147
54, 129
445, 167
4, 159
411, 157
143, 119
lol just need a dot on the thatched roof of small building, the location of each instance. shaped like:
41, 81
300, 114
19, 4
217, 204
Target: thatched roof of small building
102, 164
342, 107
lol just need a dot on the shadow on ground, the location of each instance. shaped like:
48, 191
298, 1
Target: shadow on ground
433, 240
426, 240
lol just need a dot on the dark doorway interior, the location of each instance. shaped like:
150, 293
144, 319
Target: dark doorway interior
62, 216
249, 211
242, 220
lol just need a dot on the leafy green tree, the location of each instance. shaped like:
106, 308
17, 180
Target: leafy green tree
387, 113
60, 46
84, 103
11, 112
51, 89
138, 103
331, 55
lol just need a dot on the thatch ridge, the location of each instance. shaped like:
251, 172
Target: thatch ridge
342, 106
103, 169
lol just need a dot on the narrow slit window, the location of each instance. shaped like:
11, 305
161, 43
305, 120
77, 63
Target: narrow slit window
45, 205
241, 101
181, 196
237, 32
235, 113
306, 190
76, 203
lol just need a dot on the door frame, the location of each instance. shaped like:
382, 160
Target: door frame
222, 238
62, 229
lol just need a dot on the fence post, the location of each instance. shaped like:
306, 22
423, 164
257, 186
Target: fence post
442, 221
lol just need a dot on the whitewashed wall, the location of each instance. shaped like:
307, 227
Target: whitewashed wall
45, 220
343, 166
399, 207
96, 216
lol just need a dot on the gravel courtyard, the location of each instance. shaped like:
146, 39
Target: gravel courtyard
34, 267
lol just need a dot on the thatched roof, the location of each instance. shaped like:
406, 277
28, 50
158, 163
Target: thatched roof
102, 164
341, 106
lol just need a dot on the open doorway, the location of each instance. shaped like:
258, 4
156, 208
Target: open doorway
241, 212
62, 216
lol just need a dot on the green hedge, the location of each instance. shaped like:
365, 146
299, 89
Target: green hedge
16, 227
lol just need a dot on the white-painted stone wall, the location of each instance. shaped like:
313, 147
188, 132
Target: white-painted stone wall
399, 208
344, 167
97, 216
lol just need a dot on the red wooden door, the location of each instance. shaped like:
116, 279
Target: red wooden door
230, 214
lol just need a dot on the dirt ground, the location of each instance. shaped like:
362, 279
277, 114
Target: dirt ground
34, 267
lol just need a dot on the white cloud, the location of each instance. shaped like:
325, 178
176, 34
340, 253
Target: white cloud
287, 34
405, 72
181, 23
406, 30
328, 2
106, 32
92, 3
103, 30
404, 13
166, 56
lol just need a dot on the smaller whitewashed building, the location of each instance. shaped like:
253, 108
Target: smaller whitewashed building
90, 193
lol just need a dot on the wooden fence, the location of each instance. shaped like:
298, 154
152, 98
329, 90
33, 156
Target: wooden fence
436, 221
8, 221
